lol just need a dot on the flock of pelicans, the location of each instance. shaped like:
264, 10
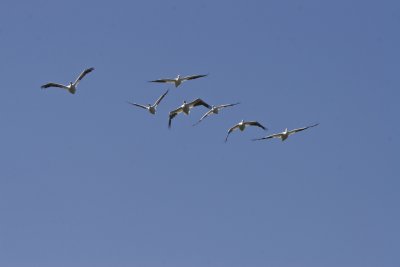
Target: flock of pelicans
186, 107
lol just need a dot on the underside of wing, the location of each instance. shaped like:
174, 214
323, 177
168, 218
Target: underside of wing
256, 123
192, 77
230, 130
172, 115
161, 98
83, 74
176, 112
302, 129
163, 81
203, 117
227, 105
269, 137
199, 102
137, 105
47, 85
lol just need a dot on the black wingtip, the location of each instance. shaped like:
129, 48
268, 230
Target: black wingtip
89, 70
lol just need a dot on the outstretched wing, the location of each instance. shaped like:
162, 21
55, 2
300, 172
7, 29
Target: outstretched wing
137, 105
255, 123
173, 114
199, 102
192, 77
231, 130
83, 74
301, 129
227, 105
204, 116
47, 85
160, 98
163, 81
278, 135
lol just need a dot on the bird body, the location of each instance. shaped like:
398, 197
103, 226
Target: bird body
71, 87
151, 108
285, 134
185, 108
214, 110
242, 126
178, 80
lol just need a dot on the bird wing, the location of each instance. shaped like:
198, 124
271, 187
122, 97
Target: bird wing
231, 130
199, 102
160, 98
301, 129
163, 81
172, 115
278, 135
255, 123
192, 77
227, 105
83, 74
138, 105
204, 116
47, 85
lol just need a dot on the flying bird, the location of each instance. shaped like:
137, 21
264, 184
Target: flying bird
178, 80
185, 108
151, 108
242, 125
214, 110
71, 87
285, 134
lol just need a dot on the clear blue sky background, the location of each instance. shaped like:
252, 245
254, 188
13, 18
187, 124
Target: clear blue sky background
88, 180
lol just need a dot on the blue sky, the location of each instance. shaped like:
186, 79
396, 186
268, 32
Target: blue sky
88, 180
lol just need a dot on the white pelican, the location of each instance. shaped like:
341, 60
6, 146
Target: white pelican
151, 108
214, 110
186, 107
285, 134
242, 125
71, 87
178, 80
